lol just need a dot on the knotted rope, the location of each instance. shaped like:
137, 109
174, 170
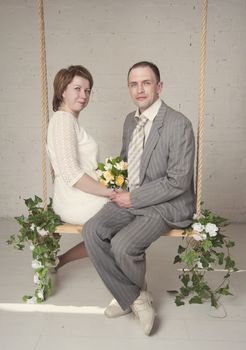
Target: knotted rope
200, 131
44, 98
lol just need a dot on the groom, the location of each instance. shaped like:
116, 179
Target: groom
158, 143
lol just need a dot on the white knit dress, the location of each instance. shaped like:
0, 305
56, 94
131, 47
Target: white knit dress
72, 153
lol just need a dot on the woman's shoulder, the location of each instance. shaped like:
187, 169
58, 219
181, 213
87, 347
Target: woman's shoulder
63, 116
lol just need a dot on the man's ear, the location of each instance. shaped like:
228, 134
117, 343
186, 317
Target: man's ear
160, 87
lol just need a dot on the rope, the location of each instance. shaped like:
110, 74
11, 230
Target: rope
45, 111
200, 131
44, 98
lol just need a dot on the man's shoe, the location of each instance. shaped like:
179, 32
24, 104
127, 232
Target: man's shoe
144, 311
114, 310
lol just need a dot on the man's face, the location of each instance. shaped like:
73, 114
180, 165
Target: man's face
143, 87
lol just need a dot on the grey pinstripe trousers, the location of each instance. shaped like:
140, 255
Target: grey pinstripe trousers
116, 240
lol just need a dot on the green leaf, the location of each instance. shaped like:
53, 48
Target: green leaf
220, 257
179, 301
100, 166
230, 244
204, 261
195, 300
225, 290
214, 300
230, 264
26, 297
185, 291
185, 279
177, 259
181, 249
196, 279
206, 245
190, 258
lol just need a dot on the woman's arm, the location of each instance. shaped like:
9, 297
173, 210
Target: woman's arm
66, 151
89, 185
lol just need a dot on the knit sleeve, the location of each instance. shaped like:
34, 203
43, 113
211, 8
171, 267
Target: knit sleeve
66, 148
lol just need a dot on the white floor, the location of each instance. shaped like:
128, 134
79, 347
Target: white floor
72, 318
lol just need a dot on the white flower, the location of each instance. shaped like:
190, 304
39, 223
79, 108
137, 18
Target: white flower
99, 172
199, 237
108, 159
198, 227
40, 294
121, 165
108, 166
199, 264
32, 246
118, 166
32, 227
32, 300
36, 264
36, 278
43, 232
211, 229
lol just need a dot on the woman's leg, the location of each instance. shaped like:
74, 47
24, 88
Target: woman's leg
77, 252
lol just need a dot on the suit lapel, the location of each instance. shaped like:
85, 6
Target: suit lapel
152, 140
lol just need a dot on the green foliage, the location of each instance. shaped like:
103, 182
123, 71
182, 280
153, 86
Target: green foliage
204, 247
38, 231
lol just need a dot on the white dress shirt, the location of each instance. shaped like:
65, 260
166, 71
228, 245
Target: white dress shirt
150, 113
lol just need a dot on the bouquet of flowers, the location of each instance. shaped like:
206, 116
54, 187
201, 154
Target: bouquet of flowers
113, 174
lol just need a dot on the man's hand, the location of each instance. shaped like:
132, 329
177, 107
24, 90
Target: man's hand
122, 199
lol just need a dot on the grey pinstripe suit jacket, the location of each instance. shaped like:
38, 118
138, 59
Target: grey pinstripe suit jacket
167, 167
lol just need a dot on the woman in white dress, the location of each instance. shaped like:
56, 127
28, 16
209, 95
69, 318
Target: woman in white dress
73, 154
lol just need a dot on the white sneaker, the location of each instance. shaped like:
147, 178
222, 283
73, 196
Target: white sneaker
144, 311
114, 310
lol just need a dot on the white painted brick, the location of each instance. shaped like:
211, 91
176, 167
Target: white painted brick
108, 37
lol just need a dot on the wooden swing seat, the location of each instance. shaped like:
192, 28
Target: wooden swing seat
77, 229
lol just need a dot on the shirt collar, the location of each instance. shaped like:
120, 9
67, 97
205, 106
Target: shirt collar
150, 112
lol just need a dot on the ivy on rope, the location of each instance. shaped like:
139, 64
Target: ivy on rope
38, 231
203, 250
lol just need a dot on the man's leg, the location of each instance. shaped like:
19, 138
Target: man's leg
97, 234
118, 253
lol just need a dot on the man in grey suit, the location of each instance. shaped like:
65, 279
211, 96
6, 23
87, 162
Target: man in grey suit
161, 198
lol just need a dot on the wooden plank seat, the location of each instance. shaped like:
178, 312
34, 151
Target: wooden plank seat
77, 229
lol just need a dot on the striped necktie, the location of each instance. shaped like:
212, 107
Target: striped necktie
135, 152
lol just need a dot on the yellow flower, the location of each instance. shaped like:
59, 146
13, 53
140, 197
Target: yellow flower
119, 180
108, 175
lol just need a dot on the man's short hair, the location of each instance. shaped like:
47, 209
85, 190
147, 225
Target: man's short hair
151, 65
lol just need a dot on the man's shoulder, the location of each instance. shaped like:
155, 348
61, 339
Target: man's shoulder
130, 119
174, 116
131, 115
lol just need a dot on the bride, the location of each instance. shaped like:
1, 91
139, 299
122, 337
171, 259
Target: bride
73, 154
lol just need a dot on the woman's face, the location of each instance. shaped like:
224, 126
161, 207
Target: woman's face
76, 96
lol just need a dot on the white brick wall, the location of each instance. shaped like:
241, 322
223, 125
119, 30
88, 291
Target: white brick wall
108, 36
